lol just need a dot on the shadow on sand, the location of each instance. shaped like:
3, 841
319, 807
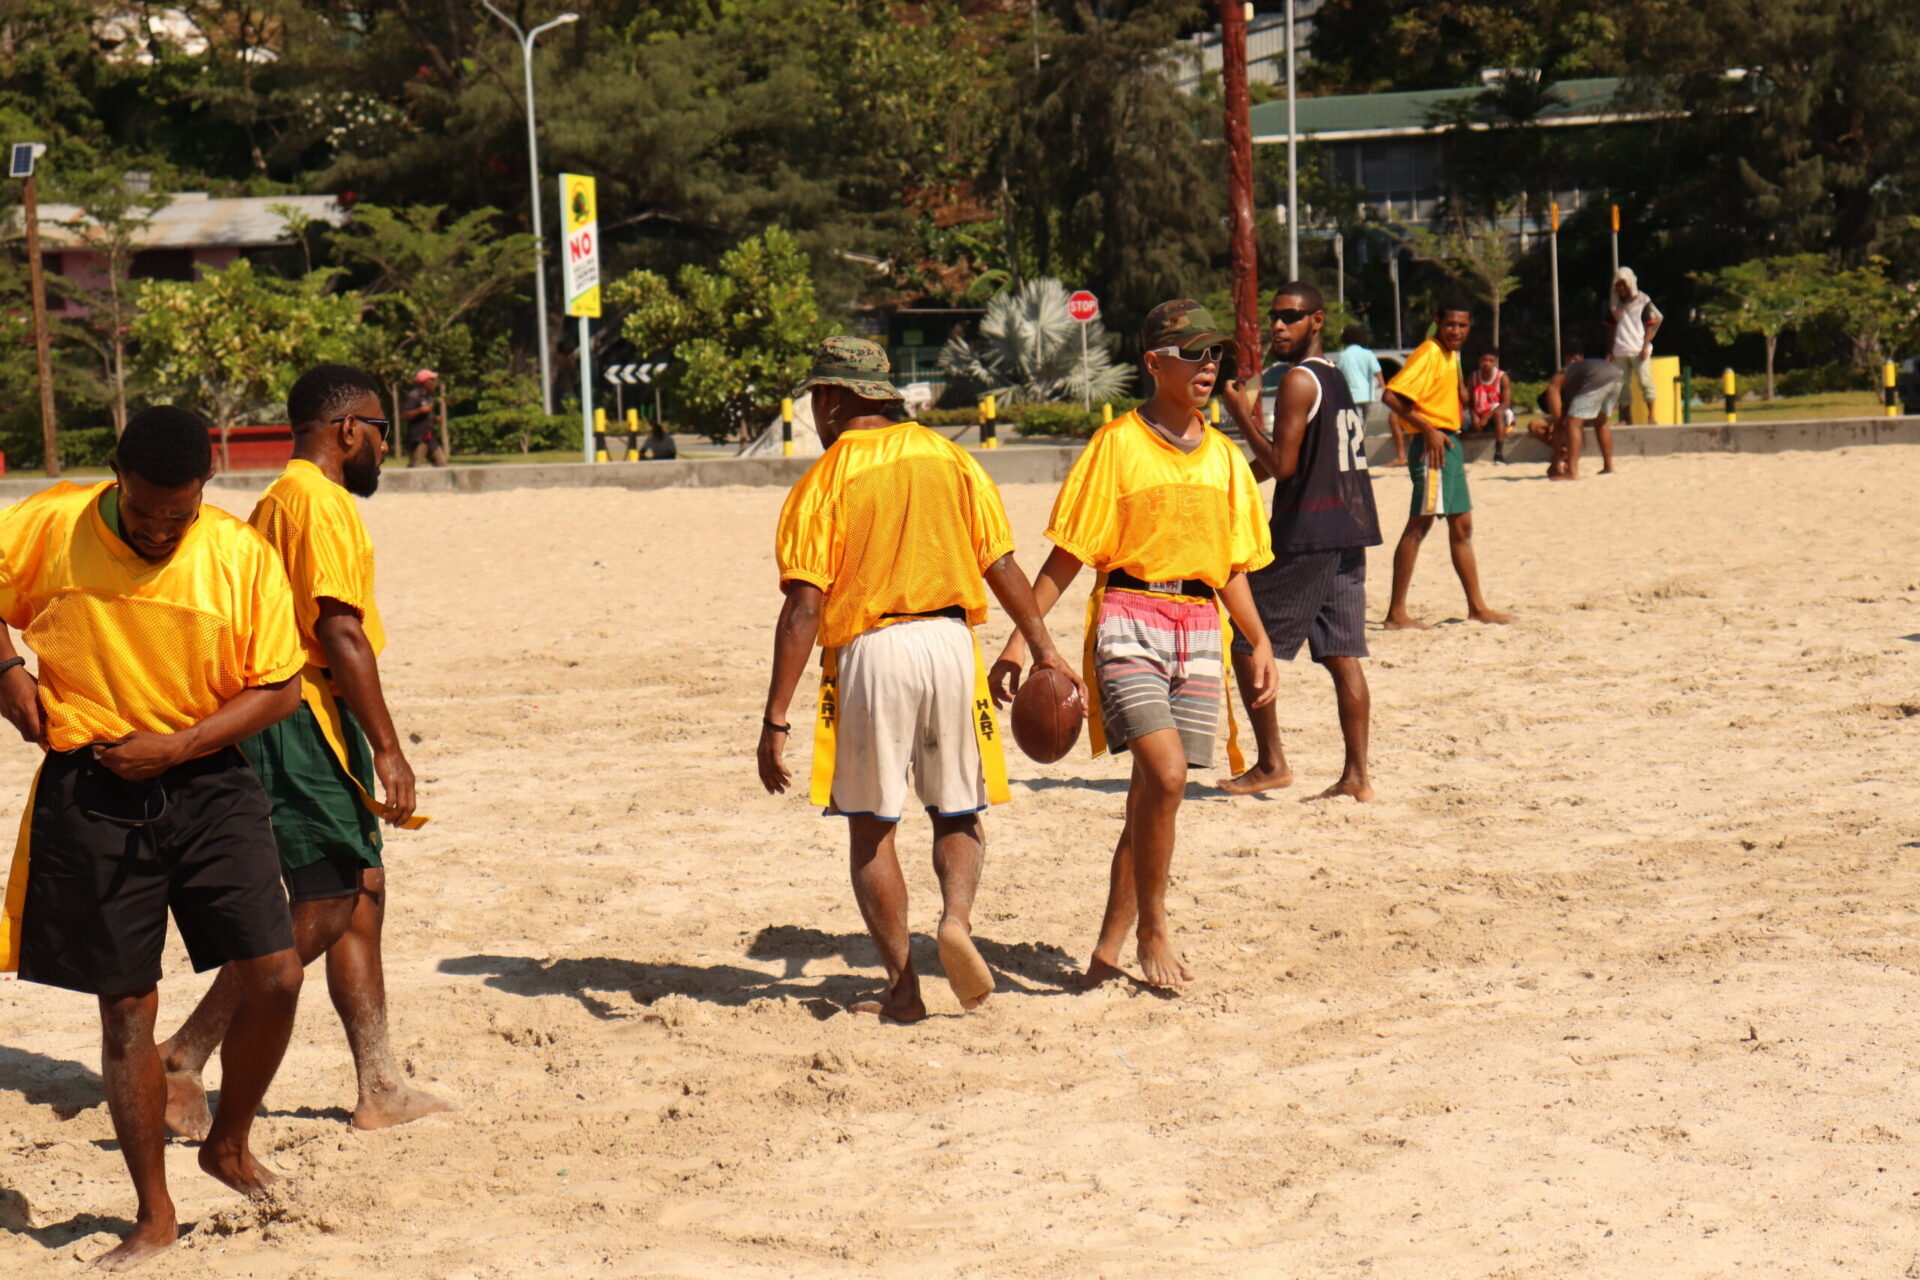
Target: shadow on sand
1029, 968
68, 1087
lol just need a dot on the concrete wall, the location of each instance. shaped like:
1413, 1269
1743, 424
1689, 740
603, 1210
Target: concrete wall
1048, 464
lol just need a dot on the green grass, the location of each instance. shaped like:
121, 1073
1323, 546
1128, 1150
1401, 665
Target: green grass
1830, 404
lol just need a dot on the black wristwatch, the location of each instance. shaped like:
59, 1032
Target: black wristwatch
11, 663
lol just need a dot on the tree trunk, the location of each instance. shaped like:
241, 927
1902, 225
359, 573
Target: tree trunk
1496, 322
1771, 340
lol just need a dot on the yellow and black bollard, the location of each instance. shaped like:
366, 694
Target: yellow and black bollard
633, 435
1106, 414
989, 426
1890, 383
599, 435
1729, 389
786, 427
1213, 412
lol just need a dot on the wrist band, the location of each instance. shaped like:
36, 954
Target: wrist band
11, 663
777, 728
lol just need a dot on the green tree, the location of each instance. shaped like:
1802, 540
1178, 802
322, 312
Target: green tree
432, 285
112, 220
1766, 296
1814, 106
231, 343
738, 337
1374, 46
1108, 182
1477, 255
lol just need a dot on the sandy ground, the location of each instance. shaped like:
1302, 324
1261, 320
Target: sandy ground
1618, 977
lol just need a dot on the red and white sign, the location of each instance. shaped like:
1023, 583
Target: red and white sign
1083, 306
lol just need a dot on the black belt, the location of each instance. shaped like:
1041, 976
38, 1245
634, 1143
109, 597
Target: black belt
1124, 581
951, 611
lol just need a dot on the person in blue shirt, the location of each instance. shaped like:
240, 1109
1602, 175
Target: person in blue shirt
1361, 368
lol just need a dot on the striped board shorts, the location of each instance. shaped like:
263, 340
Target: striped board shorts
1158, 664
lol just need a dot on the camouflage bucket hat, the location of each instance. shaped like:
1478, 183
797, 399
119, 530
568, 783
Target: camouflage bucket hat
1183, 323
854, 363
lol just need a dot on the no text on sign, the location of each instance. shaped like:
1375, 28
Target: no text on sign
580, 221
1083, 306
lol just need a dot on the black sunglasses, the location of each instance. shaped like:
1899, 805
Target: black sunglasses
1288, 315
155, 805
378, 424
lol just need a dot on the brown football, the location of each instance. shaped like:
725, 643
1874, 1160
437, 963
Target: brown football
1047, 715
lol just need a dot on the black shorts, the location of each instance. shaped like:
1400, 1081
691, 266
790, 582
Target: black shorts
330, 877
1318, 598
109, 857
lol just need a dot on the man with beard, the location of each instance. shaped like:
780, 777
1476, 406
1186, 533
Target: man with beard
319, 765
1315, 591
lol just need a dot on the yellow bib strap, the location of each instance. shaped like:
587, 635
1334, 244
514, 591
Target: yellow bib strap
16, 899
993, 754
1096, 727
826, 718
318, 695
1229, 687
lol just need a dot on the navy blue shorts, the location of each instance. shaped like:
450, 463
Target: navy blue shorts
1315, 598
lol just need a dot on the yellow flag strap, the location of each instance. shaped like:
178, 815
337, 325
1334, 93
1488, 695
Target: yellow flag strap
317, 692
986, 731
826, 718
16, 898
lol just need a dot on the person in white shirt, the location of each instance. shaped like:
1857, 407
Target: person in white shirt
1635, 321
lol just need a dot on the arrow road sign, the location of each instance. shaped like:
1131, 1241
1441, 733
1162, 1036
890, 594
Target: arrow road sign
629, 374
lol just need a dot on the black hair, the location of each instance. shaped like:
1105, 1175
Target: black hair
1353, 336
1453, 302
1491, 351
326, 391
1305, 292
1572, 344
166, 446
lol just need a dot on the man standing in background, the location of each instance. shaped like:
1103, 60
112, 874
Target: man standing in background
1361, 368
1635, 321
426, 437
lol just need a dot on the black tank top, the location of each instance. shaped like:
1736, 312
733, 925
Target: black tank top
1328, 502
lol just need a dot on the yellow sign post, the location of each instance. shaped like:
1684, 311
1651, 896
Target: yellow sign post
580, 225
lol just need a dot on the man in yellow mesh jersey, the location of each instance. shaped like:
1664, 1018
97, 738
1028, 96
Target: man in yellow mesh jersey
164, 632
320, 764
883, 547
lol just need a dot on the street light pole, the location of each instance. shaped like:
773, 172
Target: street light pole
1293, 161
526, 39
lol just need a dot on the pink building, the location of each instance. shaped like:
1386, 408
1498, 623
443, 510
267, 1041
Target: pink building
191, 234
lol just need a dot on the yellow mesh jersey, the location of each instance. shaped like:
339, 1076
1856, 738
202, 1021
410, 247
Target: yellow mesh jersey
315, 525
892, 521
125, 644
1135, 502
1431, 379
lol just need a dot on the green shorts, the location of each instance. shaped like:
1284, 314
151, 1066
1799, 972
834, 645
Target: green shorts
317, 814
1452, 498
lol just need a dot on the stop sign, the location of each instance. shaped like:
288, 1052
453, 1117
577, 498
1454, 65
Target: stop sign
1083, 306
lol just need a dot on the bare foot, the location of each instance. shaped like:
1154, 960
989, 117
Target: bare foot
1256, 780
892, 1009
187, 1114
1606, 471
1491, 617
967, 973
1397, 462
145, 1240
237, 1169
398, 1105
1562, 476
1403, 622
1359, 788
1160, 964
1101, 970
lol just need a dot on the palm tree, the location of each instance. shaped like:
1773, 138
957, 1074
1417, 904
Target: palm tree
1029, 349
